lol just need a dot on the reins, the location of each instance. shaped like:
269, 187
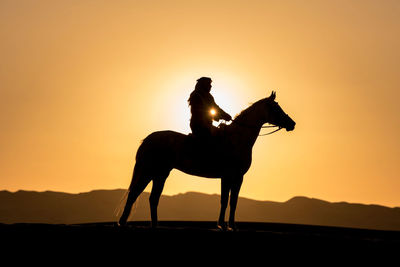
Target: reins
267, 126
271, 126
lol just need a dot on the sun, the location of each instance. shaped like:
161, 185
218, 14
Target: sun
227, 90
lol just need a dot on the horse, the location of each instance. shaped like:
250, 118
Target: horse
228, 158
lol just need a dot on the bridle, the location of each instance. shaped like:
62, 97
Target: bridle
267, 126
271, 126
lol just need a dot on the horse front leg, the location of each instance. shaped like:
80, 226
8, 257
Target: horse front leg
225, 187
237, 183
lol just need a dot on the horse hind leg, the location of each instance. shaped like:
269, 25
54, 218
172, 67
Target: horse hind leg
225, 187
233, 202
156, 191
138, 184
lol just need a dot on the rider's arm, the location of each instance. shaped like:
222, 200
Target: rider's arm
220, 113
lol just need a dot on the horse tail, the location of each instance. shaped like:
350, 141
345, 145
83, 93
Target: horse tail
135, 177
134, 180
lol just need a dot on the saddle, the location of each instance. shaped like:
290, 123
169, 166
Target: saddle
212, 145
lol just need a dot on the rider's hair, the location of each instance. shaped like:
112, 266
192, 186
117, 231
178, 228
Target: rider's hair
203, 81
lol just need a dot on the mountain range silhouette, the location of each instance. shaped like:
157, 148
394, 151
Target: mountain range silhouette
101, 205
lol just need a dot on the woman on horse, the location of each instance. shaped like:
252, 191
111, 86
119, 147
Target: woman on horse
204, 109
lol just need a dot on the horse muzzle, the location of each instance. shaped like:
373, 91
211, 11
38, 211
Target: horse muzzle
290, 126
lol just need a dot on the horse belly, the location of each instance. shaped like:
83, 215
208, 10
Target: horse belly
203, 168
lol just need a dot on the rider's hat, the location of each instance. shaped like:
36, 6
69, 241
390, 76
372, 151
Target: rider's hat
204, 80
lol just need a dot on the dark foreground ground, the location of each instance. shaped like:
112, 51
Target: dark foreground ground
199, 241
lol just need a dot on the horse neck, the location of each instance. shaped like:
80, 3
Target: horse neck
247, 127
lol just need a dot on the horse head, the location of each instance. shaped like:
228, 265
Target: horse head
275, 115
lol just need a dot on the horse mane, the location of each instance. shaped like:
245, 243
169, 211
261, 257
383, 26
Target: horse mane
244, 112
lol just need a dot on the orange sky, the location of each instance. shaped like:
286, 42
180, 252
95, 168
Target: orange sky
83, 82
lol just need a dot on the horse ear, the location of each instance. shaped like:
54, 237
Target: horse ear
272, 96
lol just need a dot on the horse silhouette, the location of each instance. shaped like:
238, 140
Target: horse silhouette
162, 151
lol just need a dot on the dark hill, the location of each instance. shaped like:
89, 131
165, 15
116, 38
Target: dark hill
101, 206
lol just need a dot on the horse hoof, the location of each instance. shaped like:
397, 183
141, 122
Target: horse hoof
232, 228
221, 226
121, 224
154, 226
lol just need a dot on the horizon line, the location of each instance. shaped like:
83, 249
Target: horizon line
198, 192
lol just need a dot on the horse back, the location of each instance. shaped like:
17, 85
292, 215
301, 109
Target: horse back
190, 154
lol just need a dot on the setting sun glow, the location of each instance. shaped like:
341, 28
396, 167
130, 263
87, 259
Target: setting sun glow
213, 112
76, 77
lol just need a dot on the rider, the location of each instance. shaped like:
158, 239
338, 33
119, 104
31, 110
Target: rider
204, 110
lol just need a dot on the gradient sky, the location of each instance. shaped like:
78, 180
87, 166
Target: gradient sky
83, 82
